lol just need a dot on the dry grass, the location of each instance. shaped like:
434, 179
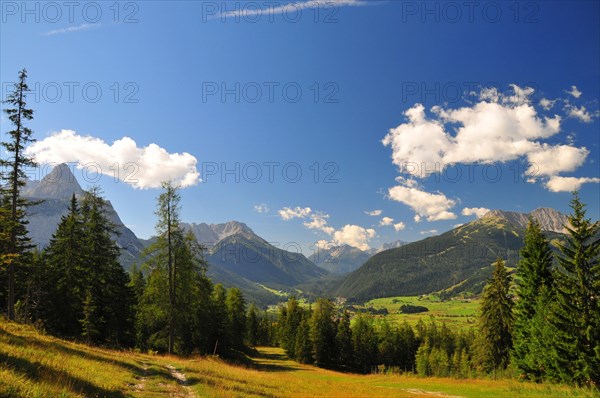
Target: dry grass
34, 365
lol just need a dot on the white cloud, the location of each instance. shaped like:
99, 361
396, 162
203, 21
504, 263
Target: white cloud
457, 225
373, 213
580, 113
500, 127
319, 221
399, 226
547, 104
354, 235
429, 232
486, 132
292, 8
71, 29
550, 160
575, 92
261, 208
433, 206
474, 211
288, 213
568, 184
141, 167
386, 221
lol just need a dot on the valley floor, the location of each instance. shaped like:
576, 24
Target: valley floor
35, 365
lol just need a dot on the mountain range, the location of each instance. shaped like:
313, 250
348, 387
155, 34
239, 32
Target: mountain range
456, 261
459, 260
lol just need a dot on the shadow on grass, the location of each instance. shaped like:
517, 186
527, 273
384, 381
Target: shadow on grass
232, 386
57, 346
61, 379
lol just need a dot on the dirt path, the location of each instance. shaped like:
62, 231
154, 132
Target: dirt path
182, 380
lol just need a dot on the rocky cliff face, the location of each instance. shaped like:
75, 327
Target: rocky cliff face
55, 191
549, 219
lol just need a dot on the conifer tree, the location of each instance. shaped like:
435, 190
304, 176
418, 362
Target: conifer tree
575, 317
66, 274
15, 251
236, 312
304, 346
534, 291
323, 331
495, 320
343, 341
364, 343
252, 325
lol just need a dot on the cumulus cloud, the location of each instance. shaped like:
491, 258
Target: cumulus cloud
474, 211
288, 213
373, 213
399, 226
432, 206
500, 127
553, 159
319, 221
580, 113
354, 235
547, 104
261, 208
141, 167
568, 184
386, 221
575, 92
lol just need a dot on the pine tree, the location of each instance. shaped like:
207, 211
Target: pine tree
534, 290
107, 281
304, 345
221, 339
364, 343
252, 325
323, 331
343, 341
15, 252
575, 316
289, 321
496, 320
67, 277
236, 312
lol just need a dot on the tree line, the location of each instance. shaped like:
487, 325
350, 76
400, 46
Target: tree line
545, 326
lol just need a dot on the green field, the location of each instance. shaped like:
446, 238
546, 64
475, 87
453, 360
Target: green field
457, 312
36, 365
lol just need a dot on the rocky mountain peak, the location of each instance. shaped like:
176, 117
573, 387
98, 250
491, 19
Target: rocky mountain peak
549, 219
60, 183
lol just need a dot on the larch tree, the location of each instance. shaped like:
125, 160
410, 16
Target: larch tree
15, 252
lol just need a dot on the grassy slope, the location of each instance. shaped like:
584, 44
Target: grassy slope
34, 365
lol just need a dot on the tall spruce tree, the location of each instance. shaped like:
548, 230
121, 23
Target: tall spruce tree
109, 298
66, 274
323, 331
575, 317
15, 253
494, 341
236, 312
534, 291
343, 341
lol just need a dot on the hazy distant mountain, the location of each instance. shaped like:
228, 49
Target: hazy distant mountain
391, 245
455, 261
340, 259
55, 191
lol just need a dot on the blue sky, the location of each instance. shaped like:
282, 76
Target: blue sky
365, 70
